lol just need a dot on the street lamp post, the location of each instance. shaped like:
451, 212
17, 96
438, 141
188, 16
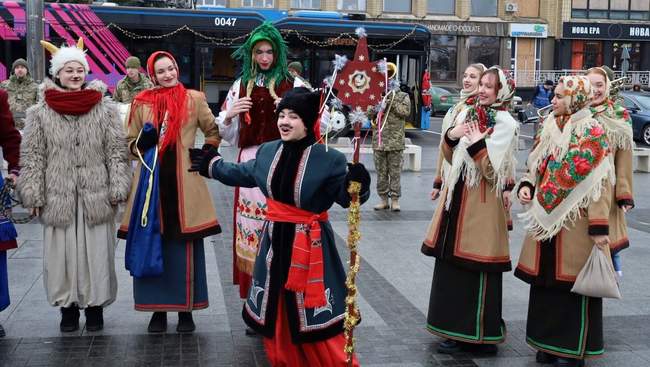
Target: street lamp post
35, 56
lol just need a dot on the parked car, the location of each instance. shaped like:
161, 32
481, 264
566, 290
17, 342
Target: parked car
443, 98
638, 104
517, 104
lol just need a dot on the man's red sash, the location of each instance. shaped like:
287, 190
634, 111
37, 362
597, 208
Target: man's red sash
306, 271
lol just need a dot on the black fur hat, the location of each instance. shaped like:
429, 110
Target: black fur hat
303, 102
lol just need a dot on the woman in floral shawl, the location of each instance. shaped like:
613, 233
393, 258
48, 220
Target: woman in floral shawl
618, 127
567, 196
468, 97
468, 235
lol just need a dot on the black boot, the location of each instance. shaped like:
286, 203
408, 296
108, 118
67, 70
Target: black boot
2, 332
487, 349
94, 318
569, 362
545, 358
449, 346
158, 323
69, 319
185, 323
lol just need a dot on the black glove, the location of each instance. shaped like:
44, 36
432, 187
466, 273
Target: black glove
357, 172
201, 158
148, 138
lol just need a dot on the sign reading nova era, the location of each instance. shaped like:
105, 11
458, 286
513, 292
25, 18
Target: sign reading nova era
618, 31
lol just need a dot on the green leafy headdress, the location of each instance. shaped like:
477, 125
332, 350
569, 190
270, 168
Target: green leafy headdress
278, 71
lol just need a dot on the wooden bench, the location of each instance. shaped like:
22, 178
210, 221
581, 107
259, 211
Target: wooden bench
641, 159
412, 153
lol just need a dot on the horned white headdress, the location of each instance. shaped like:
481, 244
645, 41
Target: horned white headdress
62, 55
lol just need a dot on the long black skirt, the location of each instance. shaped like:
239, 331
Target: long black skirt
564, 324
466, 305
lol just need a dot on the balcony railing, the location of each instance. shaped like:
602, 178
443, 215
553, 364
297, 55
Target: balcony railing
530, 78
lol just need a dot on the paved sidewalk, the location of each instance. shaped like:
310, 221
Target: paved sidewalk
394, 285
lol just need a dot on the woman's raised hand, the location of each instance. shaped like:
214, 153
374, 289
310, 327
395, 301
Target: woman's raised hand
243, 104
457, 131
473, 133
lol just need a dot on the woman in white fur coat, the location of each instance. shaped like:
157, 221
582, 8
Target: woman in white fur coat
76, 172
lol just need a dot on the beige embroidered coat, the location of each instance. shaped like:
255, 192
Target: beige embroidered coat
195, 208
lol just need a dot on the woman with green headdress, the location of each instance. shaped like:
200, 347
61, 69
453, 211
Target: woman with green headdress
566, 195
247, 120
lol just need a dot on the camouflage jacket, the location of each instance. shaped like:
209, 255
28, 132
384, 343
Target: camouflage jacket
398, 108
23, 93
126, 90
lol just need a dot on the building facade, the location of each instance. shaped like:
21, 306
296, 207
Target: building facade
516, 34
597, 32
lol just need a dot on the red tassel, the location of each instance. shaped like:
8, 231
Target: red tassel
298, 271
247, 118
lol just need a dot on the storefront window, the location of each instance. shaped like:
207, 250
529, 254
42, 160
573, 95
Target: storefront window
593, 54
305, 4
586, 54
443, 57
397, 6
484, 50
634, 48
484, 8
538, 54
359, 5
441, 7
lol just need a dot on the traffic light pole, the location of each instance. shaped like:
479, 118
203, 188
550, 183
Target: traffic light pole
35, 56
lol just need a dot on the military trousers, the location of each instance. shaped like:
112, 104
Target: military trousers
388, 164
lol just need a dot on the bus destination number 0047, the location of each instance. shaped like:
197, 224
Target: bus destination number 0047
225, 22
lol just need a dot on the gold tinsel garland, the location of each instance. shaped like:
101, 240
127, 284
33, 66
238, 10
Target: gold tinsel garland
352, 311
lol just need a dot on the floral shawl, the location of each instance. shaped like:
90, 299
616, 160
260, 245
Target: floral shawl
617, 124
569, 164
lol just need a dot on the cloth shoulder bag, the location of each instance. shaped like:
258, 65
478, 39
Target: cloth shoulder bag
143, 257
597, 277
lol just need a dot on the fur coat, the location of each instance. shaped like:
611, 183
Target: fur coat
63, 156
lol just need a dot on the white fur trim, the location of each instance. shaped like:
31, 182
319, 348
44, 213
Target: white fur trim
67, 54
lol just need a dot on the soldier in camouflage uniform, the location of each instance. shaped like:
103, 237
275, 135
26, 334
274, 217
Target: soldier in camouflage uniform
22, 91
388, 156
133, 83
295, 69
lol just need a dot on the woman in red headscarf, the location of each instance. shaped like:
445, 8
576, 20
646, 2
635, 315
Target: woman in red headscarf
187, 214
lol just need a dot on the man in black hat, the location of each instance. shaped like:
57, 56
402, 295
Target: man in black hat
297, 271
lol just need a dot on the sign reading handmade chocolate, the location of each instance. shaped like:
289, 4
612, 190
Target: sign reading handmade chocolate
466, 28
614, 31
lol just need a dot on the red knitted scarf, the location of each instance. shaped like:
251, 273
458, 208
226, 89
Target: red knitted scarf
72, 103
